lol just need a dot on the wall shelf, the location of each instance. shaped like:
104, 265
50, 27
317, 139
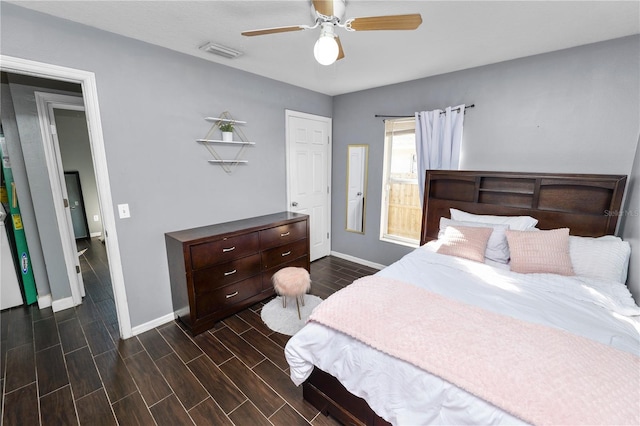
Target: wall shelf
209, 141
229, 161
225, 120
225, 142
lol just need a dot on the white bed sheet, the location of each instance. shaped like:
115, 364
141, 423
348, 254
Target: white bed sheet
406, 395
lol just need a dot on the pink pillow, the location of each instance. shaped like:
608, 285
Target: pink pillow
465, 241
540, 251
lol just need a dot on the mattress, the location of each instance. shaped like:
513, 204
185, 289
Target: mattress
402, 393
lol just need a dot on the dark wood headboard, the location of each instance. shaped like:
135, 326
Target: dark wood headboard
588, 205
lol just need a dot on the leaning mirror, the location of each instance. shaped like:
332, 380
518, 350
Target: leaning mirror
357, 158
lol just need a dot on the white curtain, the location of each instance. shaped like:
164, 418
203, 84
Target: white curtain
438, 141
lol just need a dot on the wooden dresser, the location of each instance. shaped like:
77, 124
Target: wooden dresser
218, 270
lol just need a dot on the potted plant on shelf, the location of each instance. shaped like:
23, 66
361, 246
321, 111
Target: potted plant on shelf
227, 131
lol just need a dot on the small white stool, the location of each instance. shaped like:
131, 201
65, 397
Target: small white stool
292, 282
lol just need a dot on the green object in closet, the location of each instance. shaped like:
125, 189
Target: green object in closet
28, 281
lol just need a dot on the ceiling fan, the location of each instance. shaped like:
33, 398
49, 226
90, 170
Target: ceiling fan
329, 14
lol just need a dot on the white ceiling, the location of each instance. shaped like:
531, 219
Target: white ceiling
454, 35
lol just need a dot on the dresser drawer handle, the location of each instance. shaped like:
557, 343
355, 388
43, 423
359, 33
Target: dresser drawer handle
286, 254
225, 250
226, 274
285, 234
229, 296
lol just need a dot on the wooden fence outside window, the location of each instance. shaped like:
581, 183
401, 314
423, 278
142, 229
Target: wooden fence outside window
405, 213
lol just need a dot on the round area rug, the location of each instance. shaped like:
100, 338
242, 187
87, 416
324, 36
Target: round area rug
285, 320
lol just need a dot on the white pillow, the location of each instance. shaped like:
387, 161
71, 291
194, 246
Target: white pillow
497, 246
517, 223
605, 258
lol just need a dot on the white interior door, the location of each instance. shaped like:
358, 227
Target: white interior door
355, 190
308, 175
46, 103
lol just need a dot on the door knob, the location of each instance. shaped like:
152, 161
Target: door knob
359, 194
294, 204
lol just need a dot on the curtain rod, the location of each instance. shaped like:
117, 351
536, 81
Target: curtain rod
406, 116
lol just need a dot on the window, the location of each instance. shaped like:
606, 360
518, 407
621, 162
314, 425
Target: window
401, 210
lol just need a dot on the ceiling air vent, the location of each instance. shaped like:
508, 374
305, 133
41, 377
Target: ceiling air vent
220, 50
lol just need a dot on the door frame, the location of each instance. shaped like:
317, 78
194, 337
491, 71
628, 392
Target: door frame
87, 81
45, 103
291, 113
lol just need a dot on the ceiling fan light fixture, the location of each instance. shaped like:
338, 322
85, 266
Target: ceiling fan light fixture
328, 14
326, 49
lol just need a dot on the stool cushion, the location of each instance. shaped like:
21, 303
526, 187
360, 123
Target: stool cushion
291, 281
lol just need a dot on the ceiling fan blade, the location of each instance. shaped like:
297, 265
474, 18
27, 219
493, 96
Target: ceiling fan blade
340, 51
389, 22
324, 7
274, 30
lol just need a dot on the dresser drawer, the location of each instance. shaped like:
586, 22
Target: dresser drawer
225, 273
283, 254
284, 234
209, 302
301, 262
207, 254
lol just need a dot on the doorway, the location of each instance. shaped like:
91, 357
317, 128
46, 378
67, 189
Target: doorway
308, 144
76, 204
89, 92
47, 104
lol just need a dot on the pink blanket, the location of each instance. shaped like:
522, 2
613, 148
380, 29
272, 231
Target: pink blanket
537, 373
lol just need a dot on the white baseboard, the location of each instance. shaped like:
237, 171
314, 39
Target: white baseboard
62, 304
358, 260
152, 324
95, 234
44, 301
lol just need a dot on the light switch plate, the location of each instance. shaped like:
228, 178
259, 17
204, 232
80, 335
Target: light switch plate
123, 211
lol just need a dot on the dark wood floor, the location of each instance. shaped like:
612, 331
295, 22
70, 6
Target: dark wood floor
71, 367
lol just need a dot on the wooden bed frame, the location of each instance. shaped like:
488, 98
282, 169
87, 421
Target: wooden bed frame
588, 205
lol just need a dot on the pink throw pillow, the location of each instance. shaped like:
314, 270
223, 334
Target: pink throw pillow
540, 251
465, 241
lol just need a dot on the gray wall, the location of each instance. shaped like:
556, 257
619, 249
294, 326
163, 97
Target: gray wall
574, 110
75, 150
152, 104
630, 229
